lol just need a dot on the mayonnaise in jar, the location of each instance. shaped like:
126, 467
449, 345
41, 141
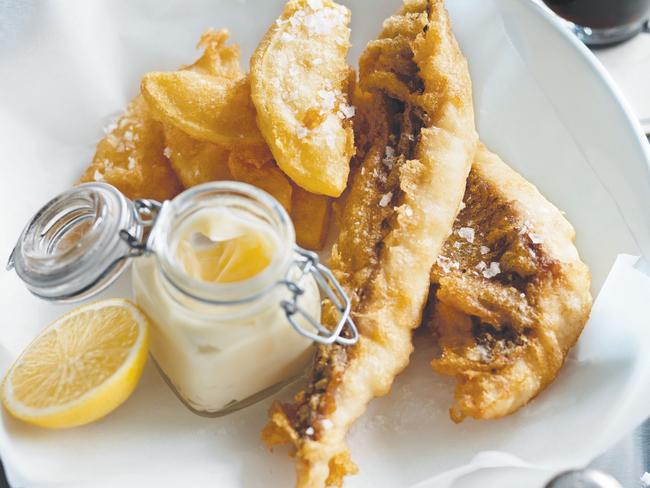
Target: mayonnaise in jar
213, 291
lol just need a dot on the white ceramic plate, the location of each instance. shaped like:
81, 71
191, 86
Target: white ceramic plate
541, 101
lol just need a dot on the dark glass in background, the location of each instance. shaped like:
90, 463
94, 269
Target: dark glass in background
603, 22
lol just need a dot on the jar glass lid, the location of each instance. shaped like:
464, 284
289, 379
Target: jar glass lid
72, 247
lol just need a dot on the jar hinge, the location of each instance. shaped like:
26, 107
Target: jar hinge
145, 212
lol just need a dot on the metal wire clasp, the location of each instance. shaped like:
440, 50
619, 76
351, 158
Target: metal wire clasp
145, 212
345, 332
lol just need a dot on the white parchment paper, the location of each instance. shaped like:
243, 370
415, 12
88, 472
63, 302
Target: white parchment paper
67, 67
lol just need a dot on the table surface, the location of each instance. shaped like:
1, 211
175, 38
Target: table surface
629, 459
629, 66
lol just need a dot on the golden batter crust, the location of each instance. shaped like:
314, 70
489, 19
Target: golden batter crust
511, 293
415, 150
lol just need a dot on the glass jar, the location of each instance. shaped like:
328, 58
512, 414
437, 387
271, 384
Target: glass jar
221, 346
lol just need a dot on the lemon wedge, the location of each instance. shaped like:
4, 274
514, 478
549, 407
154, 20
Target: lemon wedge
81, 367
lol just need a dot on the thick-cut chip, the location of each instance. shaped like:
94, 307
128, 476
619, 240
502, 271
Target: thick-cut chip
209, 108
299, 84
310, 214
268, 177
257, 155
131, 157
195, 162
217, 58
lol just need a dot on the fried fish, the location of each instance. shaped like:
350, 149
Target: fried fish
510, 293
416, 144
131, 157
135, 154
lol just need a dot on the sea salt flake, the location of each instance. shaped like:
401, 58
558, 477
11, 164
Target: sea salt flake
323, 21
309, 431
110, 127
286, 37
348, 111
98, 176
408, 211
330, 140
328, 97
315, 4
480, 353
447, 264
492, 271
132, 163
484, 249
302, 132
167, 152
389, 158
481, 266
128, 136
296, 19
466, 233
458, 244
385, 200
461, 206
535, 238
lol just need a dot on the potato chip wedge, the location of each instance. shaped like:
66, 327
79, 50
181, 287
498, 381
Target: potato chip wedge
311, 215
195, 162
207, 107
268, 178
257, 155
131, 157
217, 58
299, 85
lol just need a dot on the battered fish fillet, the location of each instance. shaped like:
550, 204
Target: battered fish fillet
131, 157
416, 143
511, 294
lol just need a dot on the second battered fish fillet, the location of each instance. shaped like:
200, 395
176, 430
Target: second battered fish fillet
512, 294
416, 147
132, 158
